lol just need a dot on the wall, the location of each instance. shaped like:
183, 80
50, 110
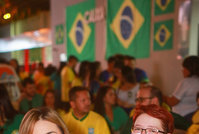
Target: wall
194, 35
162, 67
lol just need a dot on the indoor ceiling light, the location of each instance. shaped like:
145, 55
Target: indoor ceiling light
7, 16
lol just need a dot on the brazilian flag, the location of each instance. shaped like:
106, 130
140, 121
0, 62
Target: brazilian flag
59, 33
163, 35
128, 28
164, 6
80, 35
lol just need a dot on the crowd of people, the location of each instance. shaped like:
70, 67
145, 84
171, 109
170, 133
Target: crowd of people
118, 100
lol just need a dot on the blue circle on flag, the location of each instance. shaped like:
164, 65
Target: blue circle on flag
79, 33
163, 2
126, 23
162, 35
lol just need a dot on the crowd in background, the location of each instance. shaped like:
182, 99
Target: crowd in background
93, 96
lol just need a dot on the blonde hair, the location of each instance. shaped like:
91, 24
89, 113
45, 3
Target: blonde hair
41, 113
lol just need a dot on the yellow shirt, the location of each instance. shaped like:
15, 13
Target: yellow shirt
92, 123
67, 76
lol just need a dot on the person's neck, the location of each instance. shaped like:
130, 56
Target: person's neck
28, 97
127, 85
79, 115
108, 107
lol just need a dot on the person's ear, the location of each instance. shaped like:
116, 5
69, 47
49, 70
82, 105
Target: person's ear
72, 104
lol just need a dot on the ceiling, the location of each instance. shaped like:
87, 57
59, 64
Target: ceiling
21, 9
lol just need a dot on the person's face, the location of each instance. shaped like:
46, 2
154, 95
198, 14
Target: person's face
45, 127
50, 99
143, 97
185, 72
74, 63
144, 121
117, 73
30, 89
82, 102
110, 97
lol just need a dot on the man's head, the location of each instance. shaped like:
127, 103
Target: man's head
111, 62
80, 101
29, 87
72, 61
130, 61
149, 95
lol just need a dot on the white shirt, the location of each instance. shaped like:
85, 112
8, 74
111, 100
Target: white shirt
186, 92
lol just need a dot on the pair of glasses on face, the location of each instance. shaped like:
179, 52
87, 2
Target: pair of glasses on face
142, 99
138, 130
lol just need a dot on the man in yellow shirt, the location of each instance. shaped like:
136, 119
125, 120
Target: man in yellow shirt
80, 120
67, 76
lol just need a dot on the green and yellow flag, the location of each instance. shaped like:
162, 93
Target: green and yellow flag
80, 35
128, 28
163, 35
59, 34
164, 6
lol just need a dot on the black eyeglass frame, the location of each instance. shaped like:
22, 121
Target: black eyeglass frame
145, 129
141, 99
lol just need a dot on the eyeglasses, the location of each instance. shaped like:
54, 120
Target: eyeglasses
142, 99
137, 130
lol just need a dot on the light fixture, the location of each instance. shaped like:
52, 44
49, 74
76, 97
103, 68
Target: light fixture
7, 16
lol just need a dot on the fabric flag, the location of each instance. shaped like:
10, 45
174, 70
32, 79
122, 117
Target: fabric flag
164, 6
80, 35
163, 35
128, 28
35, 55
59, 34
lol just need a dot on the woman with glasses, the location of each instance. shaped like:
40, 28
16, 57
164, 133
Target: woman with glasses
152, 119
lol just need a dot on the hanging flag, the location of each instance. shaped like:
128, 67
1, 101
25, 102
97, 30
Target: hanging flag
128, 28
163, 35
80, 35
35, 55
59, 34
164, 6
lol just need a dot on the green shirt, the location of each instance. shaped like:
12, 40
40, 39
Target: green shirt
26, 105
11, 127
120, 118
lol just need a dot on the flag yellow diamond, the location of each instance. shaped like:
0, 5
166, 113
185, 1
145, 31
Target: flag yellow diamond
127, 23
79, 33
163, 4
162, 35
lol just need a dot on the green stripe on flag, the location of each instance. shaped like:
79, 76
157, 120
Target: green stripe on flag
80, 35
128, 28
164, 6
163, 35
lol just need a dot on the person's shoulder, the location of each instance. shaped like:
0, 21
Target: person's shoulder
139, 70
189, 80
38, 96
19, 117
117, 108
95, 115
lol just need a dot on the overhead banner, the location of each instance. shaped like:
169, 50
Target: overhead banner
163, 35
164, 6
128, 28
80, 34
